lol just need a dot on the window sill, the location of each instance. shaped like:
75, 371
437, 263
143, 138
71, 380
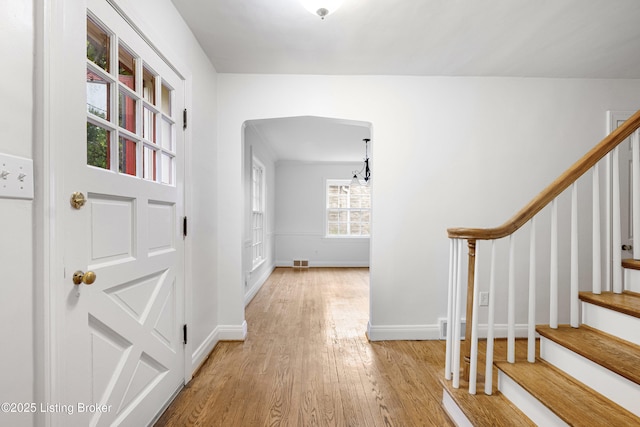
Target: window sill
258, 265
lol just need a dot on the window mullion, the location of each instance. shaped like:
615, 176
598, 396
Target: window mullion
114, 107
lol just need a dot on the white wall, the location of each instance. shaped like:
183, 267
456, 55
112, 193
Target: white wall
449, 151
17, 283
300, 217
254, 278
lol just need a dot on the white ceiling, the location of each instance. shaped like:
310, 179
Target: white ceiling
314, 139
520, 38
537, 38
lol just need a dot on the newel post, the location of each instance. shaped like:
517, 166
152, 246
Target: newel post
469, 311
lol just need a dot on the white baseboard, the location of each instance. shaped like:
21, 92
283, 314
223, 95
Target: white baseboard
432, 332
204, 349
256, 286
403, 332
220, 333
288, 263
232, 332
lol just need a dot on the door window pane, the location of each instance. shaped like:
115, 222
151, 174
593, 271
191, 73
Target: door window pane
98, 150
97, 95
167, 169
149, 164
149, 125
127, 112
166, 100
148, 86
126, 68
97, 45
166, 136
127, 156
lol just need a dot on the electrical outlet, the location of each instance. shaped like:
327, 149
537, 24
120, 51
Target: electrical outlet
16, 177
484, 299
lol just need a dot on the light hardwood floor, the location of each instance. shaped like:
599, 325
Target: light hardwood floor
307, 362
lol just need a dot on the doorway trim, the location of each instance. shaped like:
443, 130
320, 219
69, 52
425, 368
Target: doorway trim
246, 153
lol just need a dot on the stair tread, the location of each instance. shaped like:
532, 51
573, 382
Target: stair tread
631, 263
626, 302
613, 353
485, 410
573, 402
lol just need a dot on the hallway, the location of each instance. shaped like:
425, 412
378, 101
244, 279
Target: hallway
307, 361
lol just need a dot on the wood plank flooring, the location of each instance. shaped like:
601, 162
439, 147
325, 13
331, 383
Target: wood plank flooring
307, 362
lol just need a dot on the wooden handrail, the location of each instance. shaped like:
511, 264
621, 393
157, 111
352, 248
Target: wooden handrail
552, 191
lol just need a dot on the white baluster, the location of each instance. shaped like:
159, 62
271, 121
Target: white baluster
596, 258
531, 344
488, 373
608, 221
553, 268
635, 161
457, 309
473, 369
575, 272
511, 304
450, 291
616, 267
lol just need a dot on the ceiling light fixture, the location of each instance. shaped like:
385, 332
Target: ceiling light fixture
365, 172
321, 8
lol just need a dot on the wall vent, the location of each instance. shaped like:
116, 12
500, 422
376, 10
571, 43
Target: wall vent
443, 328
300, 263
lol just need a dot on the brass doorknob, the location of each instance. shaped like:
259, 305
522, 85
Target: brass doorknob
77, 200
81, 277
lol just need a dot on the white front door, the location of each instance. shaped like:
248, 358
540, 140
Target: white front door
121, 356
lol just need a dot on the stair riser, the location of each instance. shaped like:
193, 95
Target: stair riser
529, 405
454, 411
612, 322
611, 385
632, 280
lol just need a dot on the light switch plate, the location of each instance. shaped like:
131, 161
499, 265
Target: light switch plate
16, 177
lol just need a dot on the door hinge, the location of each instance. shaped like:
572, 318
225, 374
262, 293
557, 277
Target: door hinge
184, 227
184, 333
184, 119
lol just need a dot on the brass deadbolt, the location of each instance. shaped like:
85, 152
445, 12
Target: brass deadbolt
78, 200
81, 277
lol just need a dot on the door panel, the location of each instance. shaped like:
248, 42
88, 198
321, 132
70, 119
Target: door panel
122, 348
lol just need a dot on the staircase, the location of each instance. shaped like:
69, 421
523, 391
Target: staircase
582, 377
581, 368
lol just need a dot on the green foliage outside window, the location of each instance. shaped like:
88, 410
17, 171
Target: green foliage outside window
97, 148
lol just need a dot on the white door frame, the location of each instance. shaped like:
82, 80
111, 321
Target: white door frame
49, 138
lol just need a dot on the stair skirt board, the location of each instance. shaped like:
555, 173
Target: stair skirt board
609, 384
453, 410
529, 405
612, 322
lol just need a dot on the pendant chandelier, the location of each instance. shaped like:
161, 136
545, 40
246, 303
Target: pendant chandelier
363, 176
